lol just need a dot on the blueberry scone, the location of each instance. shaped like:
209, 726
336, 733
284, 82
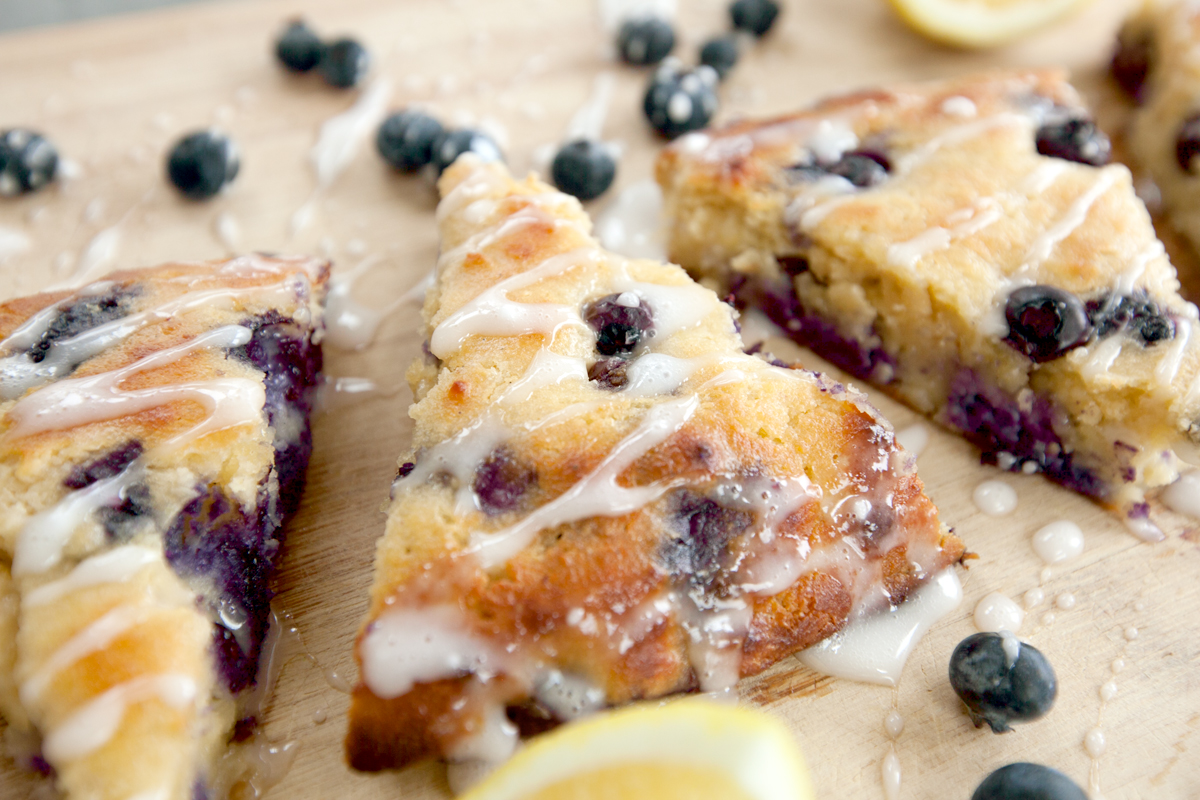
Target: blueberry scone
153, 435
607, 499
966, 247
1155, 64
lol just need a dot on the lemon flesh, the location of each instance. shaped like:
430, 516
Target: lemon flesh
981, 23
683, 750
658, 781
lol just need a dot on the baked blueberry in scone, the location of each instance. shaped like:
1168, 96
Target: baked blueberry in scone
1155, 64
154, 433
607, 499
963, 246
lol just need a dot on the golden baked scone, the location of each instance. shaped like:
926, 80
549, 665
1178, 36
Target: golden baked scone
963, 246
153, 434
607, 499
1156, 65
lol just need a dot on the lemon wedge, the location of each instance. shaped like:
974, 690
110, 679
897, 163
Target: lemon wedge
685, 750
981, 23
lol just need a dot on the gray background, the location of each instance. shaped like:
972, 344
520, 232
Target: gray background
28, 13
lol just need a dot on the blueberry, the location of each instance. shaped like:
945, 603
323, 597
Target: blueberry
701, 531
610, 373
621, 321
754, 16
720, 53
1137, 314
502, 481
298, 48
1132, 60
861, 169
1023, 781
106, 466
202, 163
1187, 142
645, 40
583, 168
1044, 322
27, 161
90, 311
679, 100
1075, 140
344, 63
452, 144
405, 139
1001, 680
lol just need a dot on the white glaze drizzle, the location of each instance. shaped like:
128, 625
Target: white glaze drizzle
42, 539
1058, 542
95, 723
96, 636
18, 374
405, 646
588, 121
874, 648
995, 498
493, 314
995, 612
1041, 247
78, 401
631, 224
340, 136
1183, 496
598, 493
114, 566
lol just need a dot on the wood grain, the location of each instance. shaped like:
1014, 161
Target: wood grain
113, 94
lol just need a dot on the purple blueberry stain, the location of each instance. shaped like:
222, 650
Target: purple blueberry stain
1013, 434
701, 530
1136, 314
216, 543
106, 466
502, 481
291, 364
609, 373
1132, 62
781, 304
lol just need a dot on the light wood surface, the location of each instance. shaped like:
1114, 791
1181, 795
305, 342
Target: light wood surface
113, 94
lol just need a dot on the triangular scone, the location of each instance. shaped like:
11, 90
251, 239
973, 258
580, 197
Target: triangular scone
607, 499
1156, 64
153, 434
918, 237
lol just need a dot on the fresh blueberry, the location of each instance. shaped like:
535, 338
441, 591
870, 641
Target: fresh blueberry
680, 100
862, 169
1075, 140
405, 139
645, 40
1187, 143
344, 63
27, 161
583, 168
720, 53
452, 144
1002, 680
754, 16
202, 163
1044, 322
1132, 60
1137, 314
1024, 781
298, 48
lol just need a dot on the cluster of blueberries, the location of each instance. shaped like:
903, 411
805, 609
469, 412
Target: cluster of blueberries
411, 139
680, 99
342, 63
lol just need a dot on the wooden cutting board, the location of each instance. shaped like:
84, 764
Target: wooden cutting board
113, 94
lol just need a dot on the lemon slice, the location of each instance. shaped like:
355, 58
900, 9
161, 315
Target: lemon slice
981, 23
686, 750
